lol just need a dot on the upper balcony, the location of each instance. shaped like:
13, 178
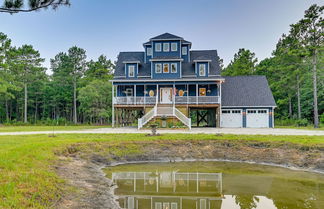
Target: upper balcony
185, 94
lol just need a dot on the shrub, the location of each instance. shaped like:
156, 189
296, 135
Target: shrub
322, 118
302, 122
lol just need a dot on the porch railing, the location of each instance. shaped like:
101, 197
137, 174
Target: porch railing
130, 100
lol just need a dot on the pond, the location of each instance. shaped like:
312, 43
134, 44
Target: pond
215, 185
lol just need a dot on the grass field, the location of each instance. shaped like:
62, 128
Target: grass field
28, 179
321, 128
47, 128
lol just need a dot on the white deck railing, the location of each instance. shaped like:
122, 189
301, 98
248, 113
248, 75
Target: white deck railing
184, 119
147, 117
178, 100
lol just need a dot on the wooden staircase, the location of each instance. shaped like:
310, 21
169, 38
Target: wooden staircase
164, 110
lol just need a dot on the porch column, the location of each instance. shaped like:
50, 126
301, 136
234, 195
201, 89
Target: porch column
112, 106
173, 96
157, 93
144, 95
187, 94
196, 93
135, 94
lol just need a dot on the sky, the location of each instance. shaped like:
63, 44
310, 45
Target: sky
111, 26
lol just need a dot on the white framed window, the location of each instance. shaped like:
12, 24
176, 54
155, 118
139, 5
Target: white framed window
184, 50
252, 111
157, 47
263, 111
131, 71
236, 111
158, 68
149, 51
166, 47
174, 67
202, 69
174, 47
166, 68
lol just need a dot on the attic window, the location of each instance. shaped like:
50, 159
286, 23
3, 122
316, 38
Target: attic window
166, 47
174, 47
202, 69
184, 50
157, 47
131, 71
149, 51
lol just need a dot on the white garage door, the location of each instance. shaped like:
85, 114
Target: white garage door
231, 118
257, 118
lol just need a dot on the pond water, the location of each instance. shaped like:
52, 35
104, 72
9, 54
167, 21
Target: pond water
215, 185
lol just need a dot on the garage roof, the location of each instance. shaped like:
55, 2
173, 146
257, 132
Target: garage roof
246, 91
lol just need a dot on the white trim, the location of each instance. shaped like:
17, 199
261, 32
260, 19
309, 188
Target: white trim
176, 67
166, 59
189, 76
171, 39
164, 64
263, 106
155, 67
168, 80
201, 60
155, 48
129, 68
166, 47
180, 70
176, 46
122, 76
131, 62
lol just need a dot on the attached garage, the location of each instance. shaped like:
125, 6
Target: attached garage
257, 118
246, 101
232, 119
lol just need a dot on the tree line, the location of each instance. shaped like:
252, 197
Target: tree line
295, 71
77, 91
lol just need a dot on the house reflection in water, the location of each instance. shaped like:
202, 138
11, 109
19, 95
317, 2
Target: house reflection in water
168, 190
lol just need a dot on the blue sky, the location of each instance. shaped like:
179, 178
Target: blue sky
108, 27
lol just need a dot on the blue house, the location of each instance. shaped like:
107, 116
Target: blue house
170, 84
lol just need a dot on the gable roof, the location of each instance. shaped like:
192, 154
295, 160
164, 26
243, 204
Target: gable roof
245, 91
167, 36
188, 68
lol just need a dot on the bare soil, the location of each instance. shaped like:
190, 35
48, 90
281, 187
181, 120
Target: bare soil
82, 168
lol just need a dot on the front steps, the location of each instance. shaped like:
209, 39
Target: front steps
164, 110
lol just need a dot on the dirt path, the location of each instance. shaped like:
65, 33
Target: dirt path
81, 168
239, 131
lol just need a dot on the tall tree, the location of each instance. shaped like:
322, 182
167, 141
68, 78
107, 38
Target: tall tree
311, 30
77, 58
16, 6
244, 63
27, 66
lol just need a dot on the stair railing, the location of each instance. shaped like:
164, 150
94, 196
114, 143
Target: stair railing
182, 117
147, 117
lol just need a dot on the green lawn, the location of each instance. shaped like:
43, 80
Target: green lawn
46, 128
321, 128
28, 179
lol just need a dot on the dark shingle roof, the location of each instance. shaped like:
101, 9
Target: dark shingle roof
188, 68
246, 91
166, 36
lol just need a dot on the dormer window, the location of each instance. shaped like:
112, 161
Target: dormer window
184, 50
149, 51
157, 47
166, 47
202, 69
174, 47
131, 71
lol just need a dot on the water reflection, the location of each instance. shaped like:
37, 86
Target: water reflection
175, 189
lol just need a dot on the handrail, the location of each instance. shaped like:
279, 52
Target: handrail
182, 117
147, 117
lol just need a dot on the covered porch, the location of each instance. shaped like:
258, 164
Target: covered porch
140, 94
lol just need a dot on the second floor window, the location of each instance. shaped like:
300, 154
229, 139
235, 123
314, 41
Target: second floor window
202, 70
184, 50
166, 47
174, 47
158, 68
131, 71
174, 68
149, 51
157, 47
165, 68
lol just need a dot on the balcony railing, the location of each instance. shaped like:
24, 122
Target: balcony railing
130, 100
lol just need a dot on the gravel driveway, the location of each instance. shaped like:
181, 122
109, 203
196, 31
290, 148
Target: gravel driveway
244, 131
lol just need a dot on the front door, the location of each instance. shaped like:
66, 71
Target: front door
166, 95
